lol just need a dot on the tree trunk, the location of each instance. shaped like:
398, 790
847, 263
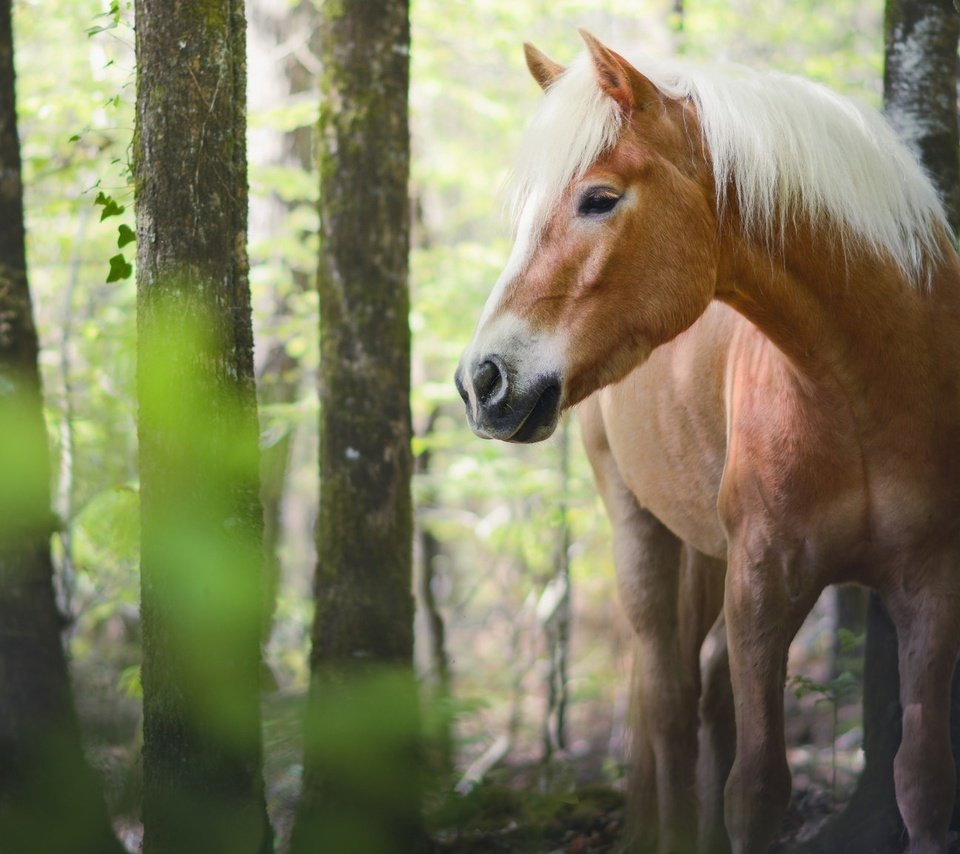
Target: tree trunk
920, 88
43, 772
360, 783
201, 565
920, 94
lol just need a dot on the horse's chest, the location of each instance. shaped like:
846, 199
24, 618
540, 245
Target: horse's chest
670, 455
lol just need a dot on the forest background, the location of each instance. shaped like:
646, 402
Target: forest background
499, 528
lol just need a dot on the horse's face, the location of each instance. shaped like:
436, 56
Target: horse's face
621, 260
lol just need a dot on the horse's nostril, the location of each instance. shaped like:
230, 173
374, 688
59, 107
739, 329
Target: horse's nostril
487, 380
460, 389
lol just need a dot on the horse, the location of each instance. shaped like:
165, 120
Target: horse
748, 288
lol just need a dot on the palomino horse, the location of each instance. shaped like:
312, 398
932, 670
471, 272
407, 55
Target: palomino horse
750, 285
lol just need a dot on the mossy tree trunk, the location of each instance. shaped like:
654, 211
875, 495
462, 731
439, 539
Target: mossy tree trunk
43, 772
920, 96
359, 767
201, 568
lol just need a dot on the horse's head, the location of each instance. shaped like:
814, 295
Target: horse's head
616, 249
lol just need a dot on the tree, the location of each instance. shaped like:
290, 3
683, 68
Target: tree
920, 88
920, 95
363, 796
43, 771
201, 565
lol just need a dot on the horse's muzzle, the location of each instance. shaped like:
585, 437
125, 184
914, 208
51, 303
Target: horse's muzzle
497, 408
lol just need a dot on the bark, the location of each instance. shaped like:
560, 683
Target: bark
364, 603
920, 94
201, 563
920, 88
366, 797
43, 771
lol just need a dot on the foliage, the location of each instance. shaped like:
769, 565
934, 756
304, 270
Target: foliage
75, 116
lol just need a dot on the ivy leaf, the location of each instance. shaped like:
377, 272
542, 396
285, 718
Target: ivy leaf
110, 206
113, 14
126, 235
119, 269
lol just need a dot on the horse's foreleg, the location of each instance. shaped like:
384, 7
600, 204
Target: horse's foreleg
759, 630
642, 820
661, 805
717, 739
647, 558
928, 636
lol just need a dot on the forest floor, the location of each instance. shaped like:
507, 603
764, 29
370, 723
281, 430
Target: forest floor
523, 807
572, 805
587, 821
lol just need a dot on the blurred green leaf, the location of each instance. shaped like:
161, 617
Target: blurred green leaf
125, 235
120, 269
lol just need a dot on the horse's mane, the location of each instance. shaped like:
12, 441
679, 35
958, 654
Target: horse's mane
791, 149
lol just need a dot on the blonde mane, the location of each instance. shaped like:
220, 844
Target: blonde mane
791, 149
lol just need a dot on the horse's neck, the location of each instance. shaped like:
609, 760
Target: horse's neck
853, 317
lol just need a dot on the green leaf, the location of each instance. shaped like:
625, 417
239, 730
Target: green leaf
119, 269
111, 208
113, 13
110, 205
126, 235
129, 681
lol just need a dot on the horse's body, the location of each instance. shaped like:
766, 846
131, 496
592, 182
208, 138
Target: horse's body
769, 375
664, 442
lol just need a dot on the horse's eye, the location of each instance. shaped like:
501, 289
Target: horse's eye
596, 202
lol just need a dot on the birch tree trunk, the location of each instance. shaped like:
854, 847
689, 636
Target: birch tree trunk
43, 772
201, 572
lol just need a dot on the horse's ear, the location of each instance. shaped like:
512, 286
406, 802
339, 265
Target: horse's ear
617, 77
543, 69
